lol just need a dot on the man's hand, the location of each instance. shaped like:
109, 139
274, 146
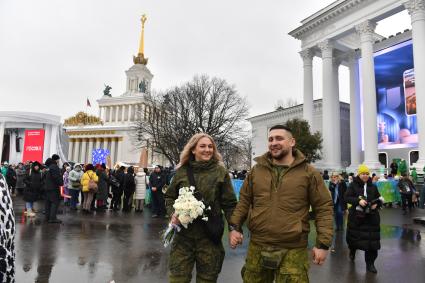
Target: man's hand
175, 220
363, 202
153, 189
373, 207
319, 255
235, 238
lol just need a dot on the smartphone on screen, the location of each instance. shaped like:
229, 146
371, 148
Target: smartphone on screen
409, 92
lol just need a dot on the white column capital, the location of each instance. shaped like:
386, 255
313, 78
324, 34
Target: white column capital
366, 30
326, 47
416, 9
307, 55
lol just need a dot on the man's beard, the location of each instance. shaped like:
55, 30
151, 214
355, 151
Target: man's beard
281, 155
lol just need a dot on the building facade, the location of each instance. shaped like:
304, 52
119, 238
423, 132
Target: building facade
113, 128
340, 34
262, 123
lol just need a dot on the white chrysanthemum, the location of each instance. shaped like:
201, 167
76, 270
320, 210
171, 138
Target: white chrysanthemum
187, 207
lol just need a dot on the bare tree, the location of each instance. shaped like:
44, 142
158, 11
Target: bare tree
204, 104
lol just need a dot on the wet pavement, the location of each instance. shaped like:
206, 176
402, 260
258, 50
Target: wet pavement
127, 248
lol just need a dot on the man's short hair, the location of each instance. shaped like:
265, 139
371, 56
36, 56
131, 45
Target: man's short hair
280, 127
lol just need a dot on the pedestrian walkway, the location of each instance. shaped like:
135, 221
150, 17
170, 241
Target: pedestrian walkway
127, 248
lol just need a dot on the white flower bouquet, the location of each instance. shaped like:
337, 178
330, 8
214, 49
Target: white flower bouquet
187, 208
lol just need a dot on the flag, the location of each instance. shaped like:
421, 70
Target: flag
88, 103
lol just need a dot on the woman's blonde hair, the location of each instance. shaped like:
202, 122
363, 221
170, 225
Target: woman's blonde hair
186, 155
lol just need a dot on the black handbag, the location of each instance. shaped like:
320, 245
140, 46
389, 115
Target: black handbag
214, 227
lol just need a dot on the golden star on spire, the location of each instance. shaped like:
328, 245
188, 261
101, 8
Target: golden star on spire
140, 59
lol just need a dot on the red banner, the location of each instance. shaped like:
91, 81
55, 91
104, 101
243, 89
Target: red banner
33, 145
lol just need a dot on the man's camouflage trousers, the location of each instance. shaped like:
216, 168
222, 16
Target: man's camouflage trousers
185, 252
293, 266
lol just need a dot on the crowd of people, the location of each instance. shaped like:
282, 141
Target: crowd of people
86, 187
275, 200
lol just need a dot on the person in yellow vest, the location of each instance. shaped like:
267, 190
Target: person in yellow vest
89, 182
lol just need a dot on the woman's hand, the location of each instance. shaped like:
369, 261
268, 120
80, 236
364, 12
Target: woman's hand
363, 202
153, 189
175, 220
373, 207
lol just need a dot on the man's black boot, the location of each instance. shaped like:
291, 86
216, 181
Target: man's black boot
371, 268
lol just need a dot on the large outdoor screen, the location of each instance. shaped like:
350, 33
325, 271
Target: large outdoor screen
396, 97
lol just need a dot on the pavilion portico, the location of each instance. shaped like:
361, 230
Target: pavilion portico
340, 34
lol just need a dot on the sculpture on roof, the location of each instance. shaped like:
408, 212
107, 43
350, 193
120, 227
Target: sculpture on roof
107, 91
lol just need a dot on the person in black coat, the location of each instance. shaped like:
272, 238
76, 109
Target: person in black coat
363, 228
11, 179
118, 191
406, 189
129, 188
33, 185
157, 181
338, 188
52, 189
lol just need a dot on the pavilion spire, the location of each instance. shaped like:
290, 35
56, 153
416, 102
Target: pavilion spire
140, 59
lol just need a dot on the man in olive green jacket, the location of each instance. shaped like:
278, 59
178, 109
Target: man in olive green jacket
276, 198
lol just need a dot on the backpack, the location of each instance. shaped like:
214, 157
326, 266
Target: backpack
114, 181
92, 185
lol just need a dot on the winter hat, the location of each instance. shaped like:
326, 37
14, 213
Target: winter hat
363, 169
55, 157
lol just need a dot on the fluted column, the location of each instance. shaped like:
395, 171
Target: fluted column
416, 9
123, 113
116, 113
113, 158
83, 151
98, 141
76, 151
89, 154
366, 32
355, 122
70, 149
54, 139
307, 56
2, 128
331, 135
336, 114
129, 113
47, 140
119, 149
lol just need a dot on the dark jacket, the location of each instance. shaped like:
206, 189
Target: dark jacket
363, 229
210, 179
11, 177
34, 183
21, 174
130, 184
102, 185
120, 176
342, 189
157, 180
403, 184
53, 177
278, 209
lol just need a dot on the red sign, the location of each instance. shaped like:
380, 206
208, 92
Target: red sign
33, 145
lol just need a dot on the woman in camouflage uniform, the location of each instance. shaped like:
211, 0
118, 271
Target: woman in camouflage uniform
193, 245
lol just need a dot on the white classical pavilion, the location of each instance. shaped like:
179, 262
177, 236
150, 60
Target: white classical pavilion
112, 129
12, 130
339, 34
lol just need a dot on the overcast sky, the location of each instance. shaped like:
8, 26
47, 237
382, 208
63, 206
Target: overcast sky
55, 54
